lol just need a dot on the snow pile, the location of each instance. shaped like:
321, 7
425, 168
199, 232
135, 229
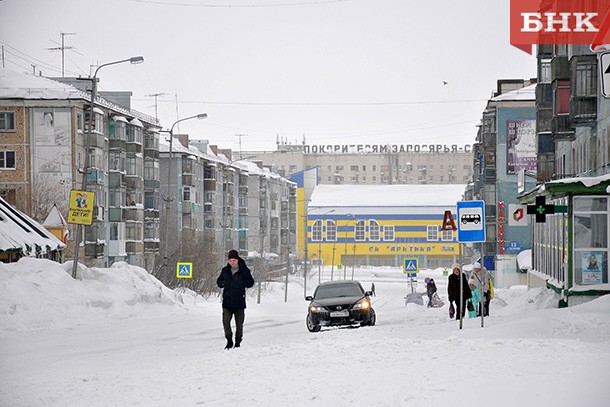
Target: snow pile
41, 294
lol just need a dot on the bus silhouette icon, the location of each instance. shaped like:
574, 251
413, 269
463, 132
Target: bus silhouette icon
470, 218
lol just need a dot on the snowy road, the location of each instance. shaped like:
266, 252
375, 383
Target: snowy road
525, 355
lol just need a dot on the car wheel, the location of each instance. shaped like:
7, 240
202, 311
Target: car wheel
311, 326
372, 317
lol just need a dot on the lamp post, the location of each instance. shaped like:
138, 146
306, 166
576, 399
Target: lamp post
305, 212
79, 229
168, 197
349, 215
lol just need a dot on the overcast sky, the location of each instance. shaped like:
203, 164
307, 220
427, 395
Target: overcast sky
336, 71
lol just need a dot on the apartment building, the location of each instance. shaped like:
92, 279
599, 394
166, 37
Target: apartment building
45, 125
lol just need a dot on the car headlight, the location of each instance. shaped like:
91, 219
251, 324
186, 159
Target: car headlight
363, 305
316, 308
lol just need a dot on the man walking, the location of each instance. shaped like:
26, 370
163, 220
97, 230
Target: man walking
234, 278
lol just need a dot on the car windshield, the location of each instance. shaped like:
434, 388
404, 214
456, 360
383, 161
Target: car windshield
342, 290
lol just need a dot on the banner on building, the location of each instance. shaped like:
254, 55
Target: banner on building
520, 146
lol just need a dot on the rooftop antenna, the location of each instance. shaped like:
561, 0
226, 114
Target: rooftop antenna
240, 136
155, 95
62, 49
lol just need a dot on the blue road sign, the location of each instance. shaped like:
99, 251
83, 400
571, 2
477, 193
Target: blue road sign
471, 221
411, 266
184, 270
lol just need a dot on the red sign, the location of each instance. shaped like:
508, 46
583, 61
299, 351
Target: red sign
559, 22
448, 222
501, 219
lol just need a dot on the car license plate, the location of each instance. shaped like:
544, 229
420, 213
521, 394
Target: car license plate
339, 314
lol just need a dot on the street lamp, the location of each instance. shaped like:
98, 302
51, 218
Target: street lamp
169, 198
79, 229
305, 246
349, 215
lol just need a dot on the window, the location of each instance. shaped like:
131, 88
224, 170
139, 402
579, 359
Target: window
186, 193
432, 233
374, 230
360, 231
7, 121
586, 80
562, 97
353, 168
316, 231
447, 235
545, 71
331, 231
590, 220
151, 169
388, 233
7, 160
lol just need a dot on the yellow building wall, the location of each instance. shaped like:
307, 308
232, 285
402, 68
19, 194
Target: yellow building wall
405, 243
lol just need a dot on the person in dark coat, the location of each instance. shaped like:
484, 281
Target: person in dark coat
430, 289
234, 278
453, 289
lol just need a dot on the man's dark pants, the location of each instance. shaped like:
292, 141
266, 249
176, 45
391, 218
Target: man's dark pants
240, 316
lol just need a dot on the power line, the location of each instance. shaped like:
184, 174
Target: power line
415, 102
281, 4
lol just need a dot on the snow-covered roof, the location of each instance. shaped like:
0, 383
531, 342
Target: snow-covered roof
247, 165
524, 94
325, 195
17, 85
24, 85
19, 232
55, 219
586, 181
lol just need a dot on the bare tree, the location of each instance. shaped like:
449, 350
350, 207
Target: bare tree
45, 192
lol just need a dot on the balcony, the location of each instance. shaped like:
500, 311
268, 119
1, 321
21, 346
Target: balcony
95, 250
209, 184
187, 207
560, 68
561, 128
134, 247
187, 179
583, 109
151, 246
544, 118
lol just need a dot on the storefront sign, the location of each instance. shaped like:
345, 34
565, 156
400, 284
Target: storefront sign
501, 220
384, 148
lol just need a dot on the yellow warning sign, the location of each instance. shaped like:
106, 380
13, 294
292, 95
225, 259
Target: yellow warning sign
80, 211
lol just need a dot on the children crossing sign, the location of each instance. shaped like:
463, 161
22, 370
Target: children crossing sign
411, 266
184, 270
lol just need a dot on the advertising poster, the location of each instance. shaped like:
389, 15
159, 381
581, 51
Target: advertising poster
592, 267
520, 146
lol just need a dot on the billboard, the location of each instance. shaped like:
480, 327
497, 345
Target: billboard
520, 146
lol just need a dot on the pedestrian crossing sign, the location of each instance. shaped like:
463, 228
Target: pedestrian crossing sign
411, 266
184, 270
